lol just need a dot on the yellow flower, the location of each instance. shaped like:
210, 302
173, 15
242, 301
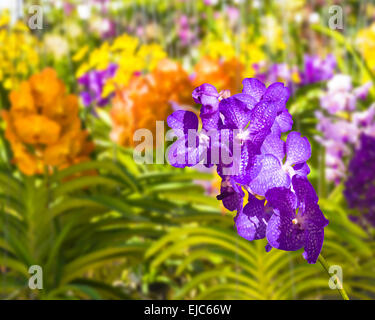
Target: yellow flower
18, 53
4, 18
128, 54
245, 47
218, 49
365, 42
81, 53
273, 34
151, 54
125, 43
296, 78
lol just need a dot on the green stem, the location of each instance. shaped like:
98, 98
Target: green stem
325, 265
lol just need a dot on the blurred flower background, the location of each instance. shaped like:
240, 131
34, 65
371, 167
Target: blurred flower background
73, 91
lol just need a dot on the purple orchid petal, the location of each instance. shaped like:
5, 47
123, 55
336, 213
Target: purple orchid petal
254, 88
278, 94
312, 215
304, 190
282, 199
251, 223
298, 149
210, 120
245, 167
262, 118
281, 232
236, 113
231, 195
283, 123
313, 244
239, 163
270, 176
183, 121
206, 95
301, 169
182, 155
248, 100
275, 146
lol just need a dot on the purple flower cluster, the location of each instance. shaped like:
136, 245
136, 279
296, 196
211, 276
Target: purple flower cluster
340, 96
282, 204
93, 83
340, 125
276, 72
317, 69
187, 30
359, 187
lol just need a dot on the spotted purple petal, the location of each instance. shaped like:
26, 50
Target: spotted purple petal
282, 199
301, 169
231, 194
304, 190
270, 176
313, 243
251, 223
236, 113
283, 234
183, 121
262, 118
298, 149
206, 95
182, 155
283, 123
278, 94
253, 87
275, 146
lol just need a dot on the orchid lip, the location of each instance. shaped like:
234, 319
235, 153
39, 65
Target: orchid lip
243, 135
224, 195
288, 169
204, 139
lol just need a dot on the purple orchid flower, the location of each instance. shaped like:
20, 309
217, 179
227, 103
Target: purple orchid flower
276, 173
254, 120
341, 134
359, 186
251, 116
277, 94
208, 97
317, 69
280, 224
251, 222
192, 146
184, 152
291, 231
93, 83
231, 194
